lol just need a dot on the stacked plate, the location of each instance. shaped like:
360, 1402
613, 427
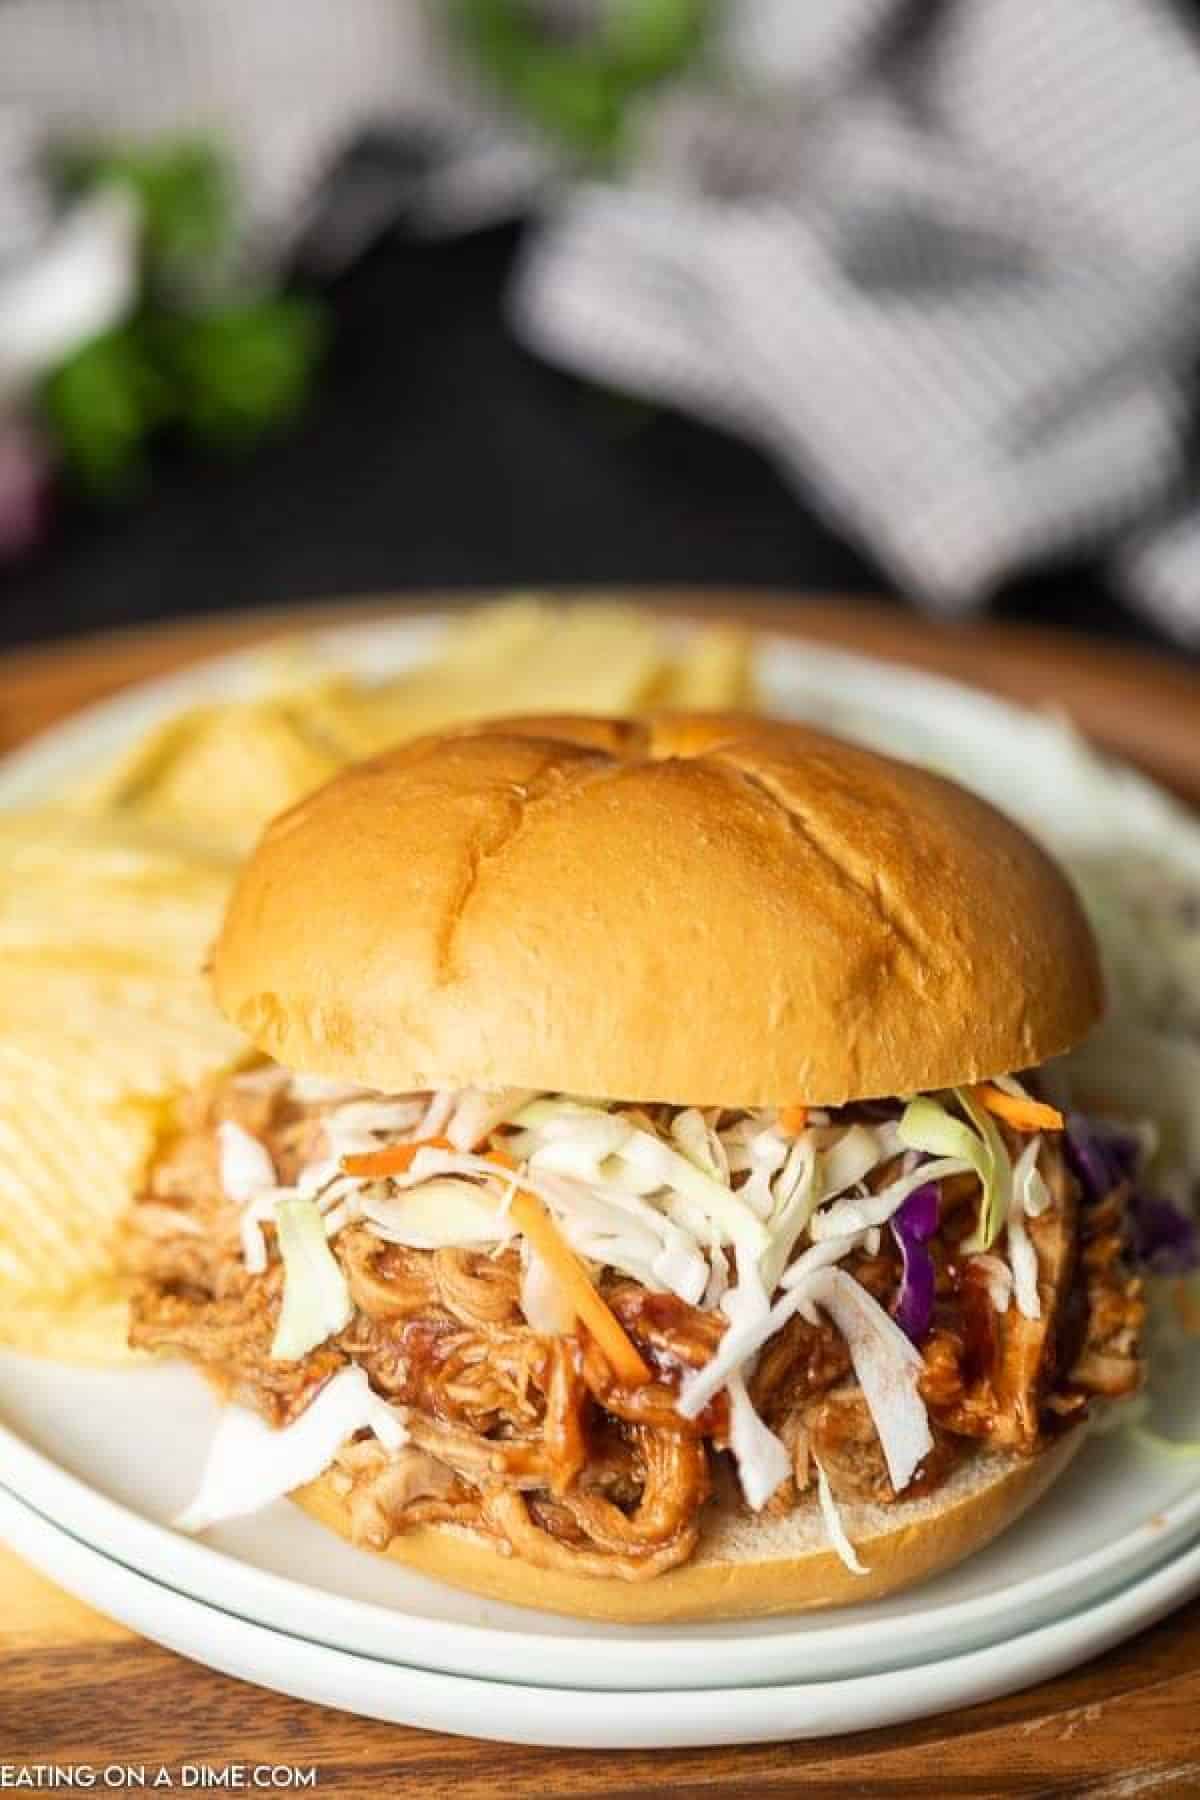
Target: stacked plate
93, 1464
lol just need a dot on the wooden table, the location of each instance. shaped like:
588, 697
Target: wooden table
77, 1689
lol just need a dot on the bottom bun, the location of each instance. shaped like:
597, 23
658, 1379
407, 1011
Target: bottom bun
745, 1567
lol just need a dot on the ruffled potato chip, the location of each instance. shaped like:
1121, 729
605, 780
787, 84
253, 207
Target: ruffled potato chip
90, 1329
221, 771
68, 1164
104, 1008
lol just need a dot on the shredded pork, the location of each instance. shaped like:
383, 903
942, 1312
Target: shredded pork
531, 1438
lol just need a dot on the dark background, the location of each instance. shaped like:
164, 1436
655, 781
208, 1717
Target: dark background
437, 453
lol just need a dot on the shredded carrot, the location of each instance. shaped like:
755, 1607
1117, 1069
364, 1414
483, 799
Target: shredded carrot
1023, 1115
396, 1159
533, 1220
793, 1119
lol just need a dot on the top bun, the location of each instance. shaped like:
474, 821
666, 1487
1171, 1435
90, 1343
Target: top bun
704, 909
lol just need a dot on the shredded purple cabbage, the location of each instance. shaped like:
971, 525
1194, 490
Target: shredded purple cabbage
1099, 1155
913, 1224
1165, 1238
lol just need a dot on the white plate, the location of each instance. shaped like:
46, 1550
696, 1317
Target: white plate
78, 1443
565, 1718
112, 1456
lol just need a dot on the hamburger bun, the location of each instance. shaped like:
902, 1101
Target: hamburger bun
745, 1566
700, 909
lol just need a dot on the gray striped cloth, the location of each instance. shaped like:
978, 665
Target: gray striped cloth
942, 262
946, 272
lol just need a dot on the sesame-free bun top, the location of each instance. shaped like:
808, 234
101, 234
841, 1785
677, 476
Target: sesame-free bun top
696, 908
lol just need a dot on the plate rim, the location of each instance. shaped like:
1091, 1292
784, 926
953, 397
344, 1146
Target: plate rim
1011, 1665
195, 1568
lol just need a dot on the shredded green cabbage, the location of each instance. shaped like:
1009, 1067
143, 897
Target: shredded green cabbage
316, 1299
666, 1167
926, 1125
853, 1156
541, 1112
700, 1144
719, 1202
997, 1186
441, 1213
791, 1215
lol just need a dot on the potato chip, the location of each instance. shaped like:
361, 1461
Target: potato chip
104, 928
523, 656
91, 1329
68, 1165
109, 892
220, 771
236, 770
113, 1037
711, 672
125, 780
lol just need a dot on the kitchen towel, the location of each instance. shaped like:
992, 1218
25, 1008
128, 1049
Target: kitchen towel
940, 260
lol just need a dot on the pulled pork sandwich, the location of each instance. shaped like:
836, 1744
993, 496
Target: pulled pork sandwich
640, 1214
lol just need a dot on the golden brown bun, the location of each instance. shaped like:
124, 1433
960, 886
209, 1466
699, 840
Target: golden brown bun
703, 909
746, 1567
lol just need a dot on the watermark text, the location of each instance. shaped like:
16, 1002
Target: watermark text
230, 1777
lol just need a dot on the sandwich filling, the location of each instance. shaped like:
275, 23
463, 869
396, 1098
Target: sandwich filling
568, 1323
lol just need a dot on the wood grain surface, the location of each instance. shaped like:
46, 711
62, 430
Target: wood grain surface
77, 1689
